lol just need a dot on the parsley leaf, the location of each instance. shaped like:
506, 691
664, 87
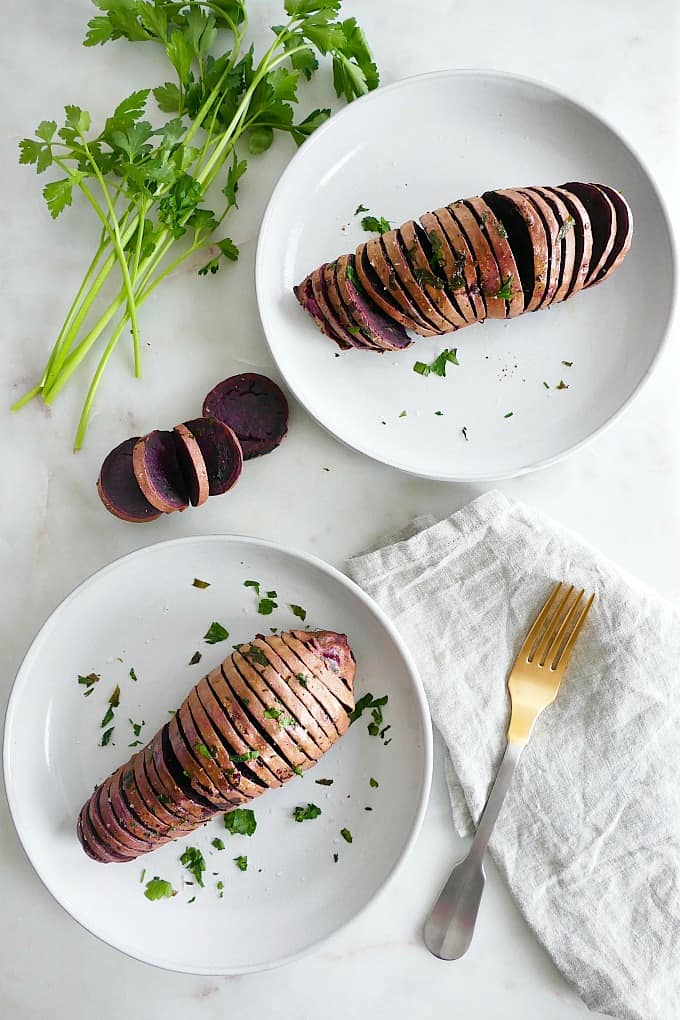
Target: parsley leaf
215, 633
324, 782
360, 208
158, 889
565, 228
132, 674
449, 356
255, 654
266, 606
373, 783
252, 584
504, 292
203, 750
241, 863
196, 657
194, 862
198, 583
89, 681
372, 223
303, 814
246, 756
106, 737
218, 843
240, 821
346, 835
299, 612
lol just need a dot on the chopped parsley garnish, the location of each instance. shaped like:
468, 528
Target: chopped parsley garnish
568, 363
215, 632
350, 274
265, 607
132, 674
271, 595
504, 291
135, 743
141, 877
158, 889
302, 680
240, 822
163, 798
192, 900
373, 783
194, 862
196, 657
114, 700
106, 736
243, 701
546, 385
336, 858
136, 726
304, 814
247, 756
241, 863
360, 208
449, 356
426, 278
403, 414
437, 256
354, 330
88, 682
218, 843
324, 782
375, 705
562, 385
297, 770
107, 717
373, 224
509, 414
565, 228
439, 413
220, 887
255, 654
272, 713
198, 583
298, 611
252, 584
346, 835
204, 751
502, 232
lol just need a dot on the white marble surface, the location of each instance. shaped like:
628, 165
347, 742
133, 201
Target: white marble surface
622, 492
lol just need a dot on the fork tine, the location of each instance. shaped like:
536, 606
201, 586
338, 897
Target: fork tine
552, 627
538, 623
563, 656
556, 643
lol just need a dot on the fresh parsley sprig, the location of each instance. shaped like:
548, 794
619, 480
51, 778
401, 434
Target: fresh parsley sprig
147, 182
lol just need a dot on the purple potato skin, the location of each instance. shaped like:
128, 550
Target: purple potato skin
118, 488
254, 407
221, 451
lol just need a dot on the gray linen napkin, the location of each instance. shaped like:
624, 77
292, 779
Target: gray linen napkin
589, 837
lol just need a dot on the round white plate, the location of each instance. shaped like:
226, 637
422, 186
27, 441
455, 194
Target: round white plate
419, 144
143, 613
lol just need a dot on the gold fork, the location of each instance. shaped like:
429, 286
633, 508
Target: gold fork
533, 684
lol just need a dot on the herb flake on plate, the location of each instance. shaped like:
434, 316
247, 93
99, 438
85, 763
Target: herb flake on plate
158, 889
198, 583
218, 843
196, 657
240, 821
304, 814
298, 611
241, 863
373, 783
266, 606
194, 862
252, 584
88, 682
215, 633
324, 782
346, 835
449, 356
255, 654
375, 224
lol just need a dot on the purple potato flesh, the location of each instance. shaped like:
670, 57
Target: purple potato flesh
118, 488
254, 408
221, 452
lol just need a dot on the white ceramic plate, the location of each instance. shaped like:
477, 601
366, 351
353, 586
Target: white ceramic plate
419, 144
142, 612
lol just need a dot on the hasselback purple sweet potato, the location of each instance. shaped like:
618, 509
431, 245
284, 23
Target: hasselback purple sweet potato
267, 713
495, 256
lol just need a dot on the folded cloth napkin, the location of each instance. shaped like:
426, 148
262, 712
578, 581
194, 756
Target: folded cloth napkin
588, 839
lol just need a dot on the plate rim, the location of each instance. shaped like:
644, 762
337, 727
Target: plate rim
508, 76
330, 571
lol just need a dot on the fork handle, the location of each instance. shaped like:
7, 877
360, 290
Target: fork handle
451, 924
